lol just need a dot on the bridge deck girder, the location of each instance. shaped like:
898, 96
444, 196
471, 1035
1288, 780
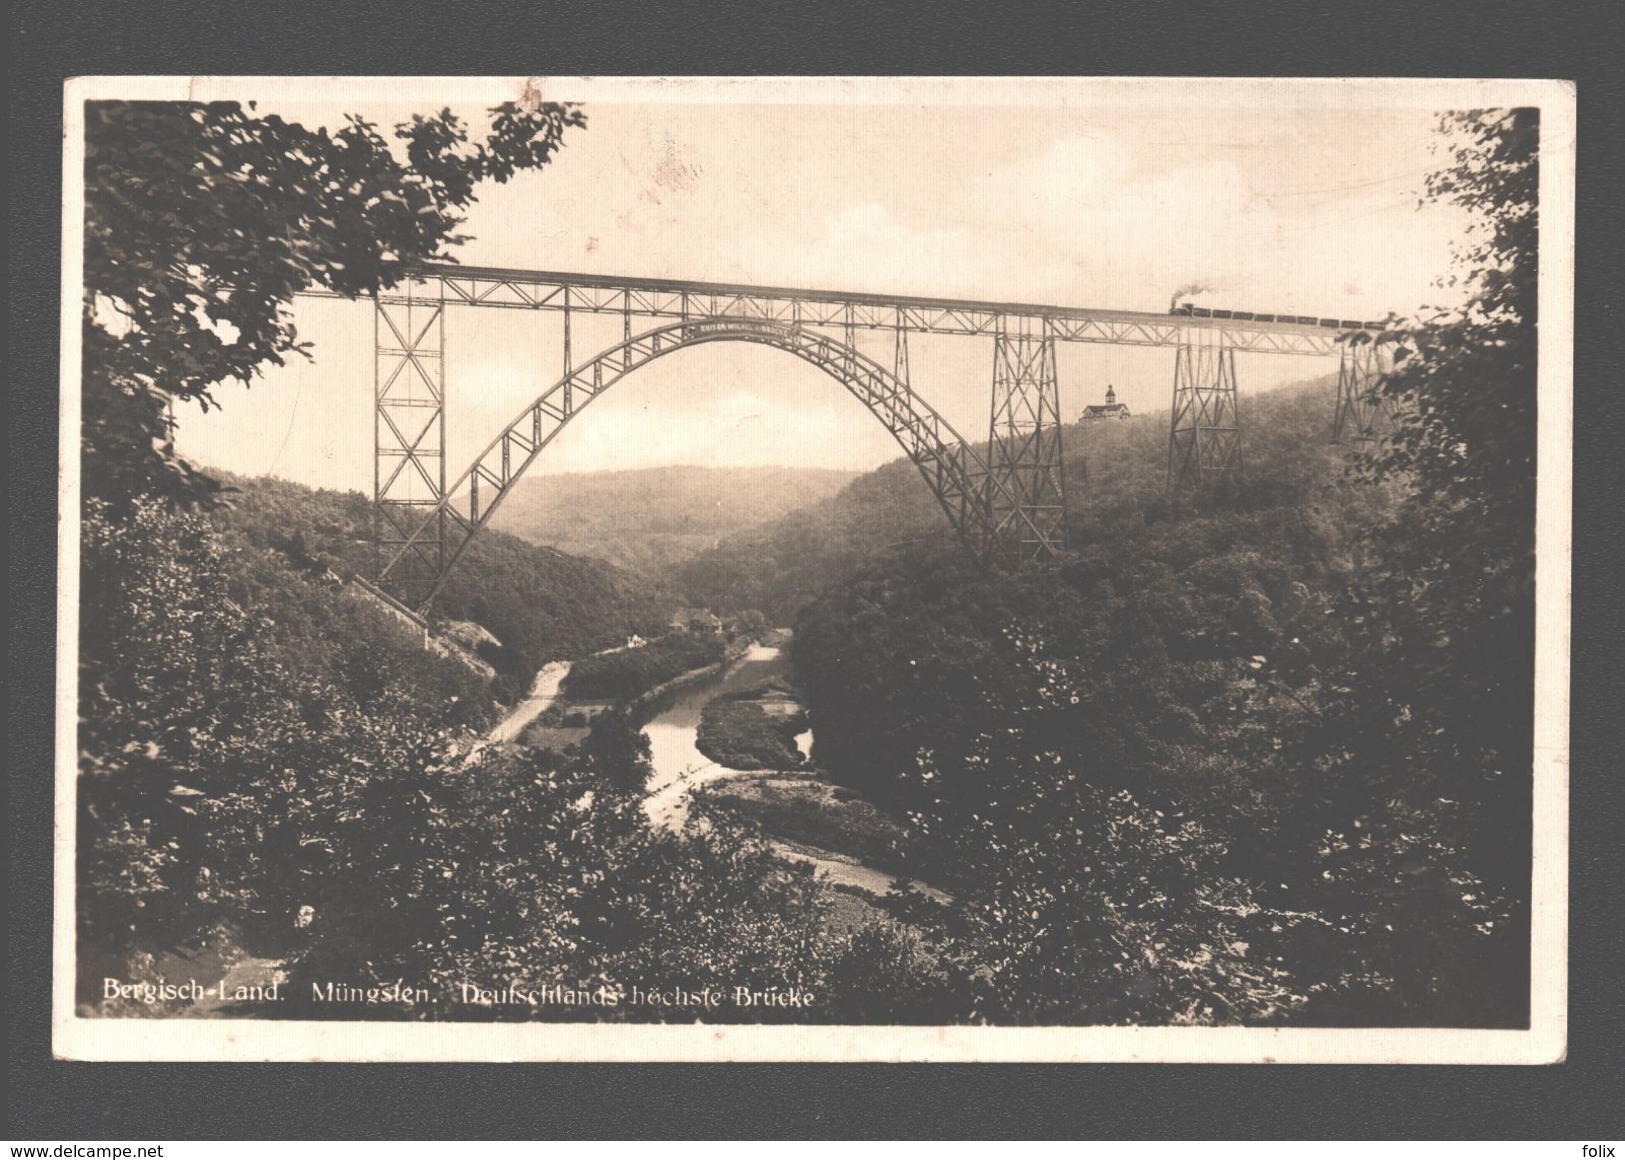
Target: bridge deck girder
660, 298
1017, 496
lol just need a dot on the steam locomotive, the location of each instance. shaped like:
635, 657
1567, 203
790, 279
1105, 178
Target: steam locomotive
1187, 310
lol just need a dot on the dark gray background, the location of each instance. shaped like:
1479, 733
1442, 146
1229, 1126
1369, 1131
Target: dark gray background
54, 39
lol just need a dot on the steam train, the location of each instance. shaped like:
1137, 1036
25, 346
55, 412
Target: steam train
1187, 310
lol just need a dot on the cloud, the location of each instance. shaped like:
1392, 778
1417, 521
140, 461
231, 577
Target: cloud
1289, 212
863, 247
1103, 226
1071, 176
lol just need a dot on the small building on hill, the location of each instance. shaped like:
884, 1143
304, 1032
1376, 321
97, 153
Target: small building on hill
696, 620
1110, 409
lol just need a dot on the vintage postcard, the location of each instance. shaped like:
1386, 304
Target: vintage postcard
852, 569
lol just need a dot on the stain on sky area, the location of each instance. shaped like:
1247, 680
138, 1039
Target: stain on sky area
530, 95
673, 172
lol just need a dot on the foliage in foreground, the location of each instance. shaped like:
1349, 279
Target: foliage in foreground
219, 692
204, 220
272, 763
531, 871
266, 761
1261, 758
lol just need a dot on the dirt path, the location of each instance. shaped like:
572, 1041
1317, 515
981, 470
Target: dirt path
544, 690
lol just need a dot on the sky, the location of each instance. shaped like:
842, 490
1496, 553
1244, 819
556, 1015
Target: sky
1278, 206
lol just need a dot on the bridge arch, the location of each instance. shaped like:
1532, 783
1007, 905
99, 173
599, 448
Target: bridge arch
426, 549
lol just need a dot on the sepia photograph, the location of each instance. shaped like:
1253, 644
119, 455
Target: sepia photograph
820, 569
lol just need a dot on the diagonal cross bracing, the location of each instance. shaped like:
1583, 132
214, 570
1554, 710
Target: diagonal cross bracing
409, 435
1024, 447
1364, 412
957, 475
1010, 506
663, 298
1204, 437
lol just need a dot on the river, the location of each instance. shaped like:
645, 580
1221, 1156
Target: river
679, 766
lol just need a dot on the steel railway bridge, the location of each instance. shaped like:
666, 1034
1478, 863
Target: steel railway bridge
1006, 503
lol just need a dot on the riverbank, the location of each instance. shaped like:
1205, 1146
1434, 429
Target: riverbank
805, 818
755, 728
734, 653
812, 812
670, 719
849, 841
842, 871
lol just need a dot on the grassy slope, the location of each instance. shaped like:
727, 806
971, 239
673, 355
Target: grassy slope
814, 813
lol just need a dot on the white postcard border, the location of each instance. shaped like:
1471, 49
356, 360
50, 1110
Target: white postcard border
173, 1040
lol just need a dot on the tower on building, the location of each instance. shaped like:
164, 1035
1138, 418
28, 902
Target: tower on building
1110, 409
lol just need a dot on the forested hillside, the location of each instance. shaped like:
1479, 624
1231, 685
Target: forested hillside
906, 643
270, 765
541, 604
651, 519
1187, 740
780, 566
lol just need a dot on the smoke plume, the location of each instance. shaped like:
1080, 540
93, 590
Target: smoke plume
1189, 290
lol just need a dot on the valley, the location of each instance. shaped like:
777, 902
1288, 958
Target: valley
925, 768
650, 521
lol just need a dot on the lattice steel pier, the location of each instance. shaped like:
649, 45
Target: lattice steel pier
1364, 413
1006, 504
1204, 436
1027, 516
409, 433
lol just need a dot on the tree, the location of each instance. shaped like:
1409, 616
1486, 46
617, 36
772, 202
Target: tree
205, 728
1464, 391
204, 220
1428, 777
